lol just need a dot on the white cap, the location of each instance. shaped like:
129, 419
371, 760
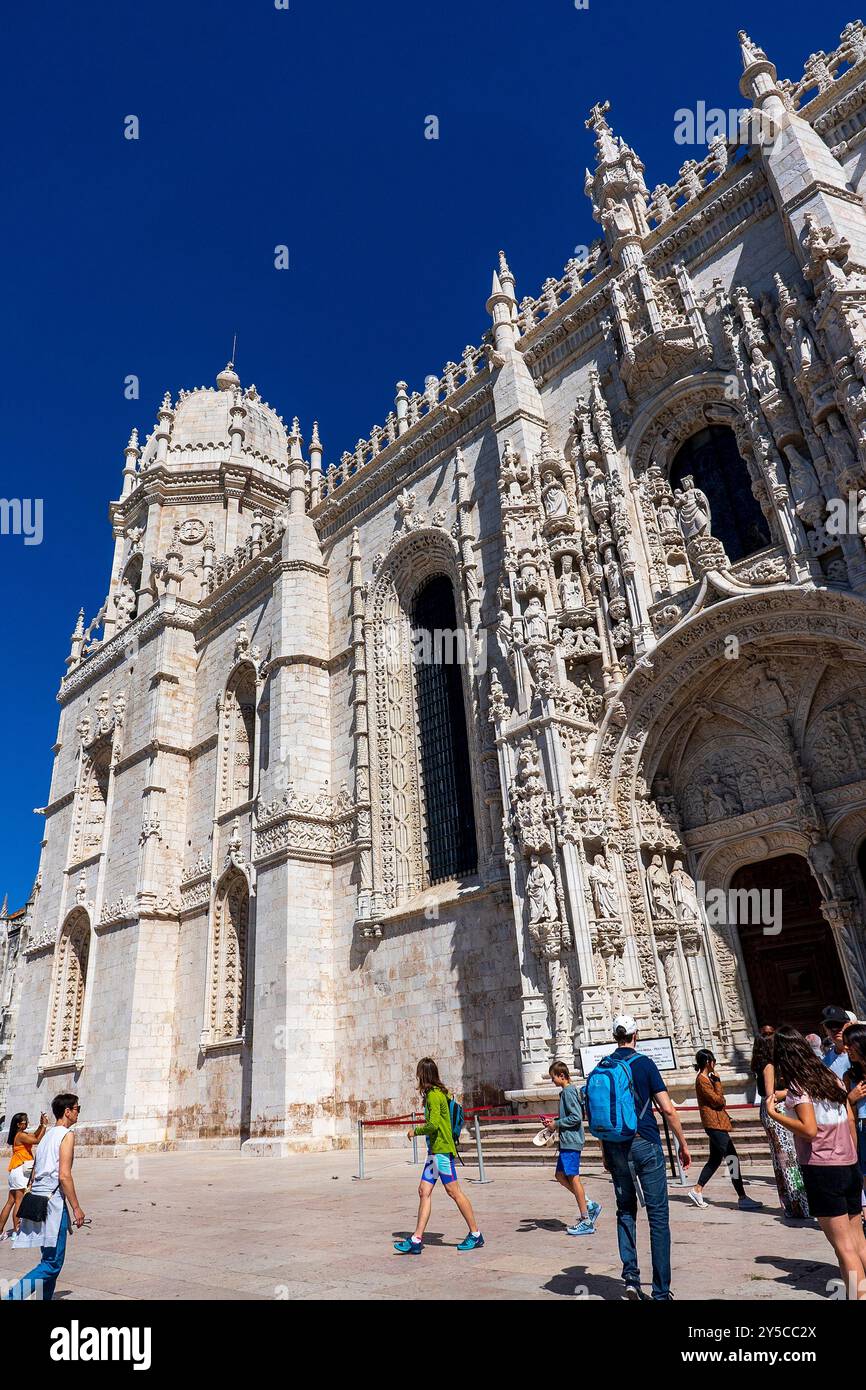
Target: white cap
626, 1024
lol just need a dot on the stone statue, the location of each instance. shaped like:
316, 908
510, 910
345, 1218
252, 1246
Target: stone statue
823, 861
541, 892
661, 902
555, 500
801, 476
693, 508
570, 588
595, 486
612, 574
684, 894
763, 372
535, 621
602, 887
666, 511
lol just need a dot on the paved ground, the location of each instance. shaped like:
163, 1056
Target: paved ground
218, 1226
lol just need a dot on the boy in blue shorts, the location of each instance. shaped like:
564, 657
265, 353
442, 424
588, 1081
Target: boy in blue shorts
571, 1137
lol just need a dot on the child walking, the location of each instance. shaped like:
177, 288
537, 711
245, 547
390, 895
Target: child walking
441, 1155
571, 1138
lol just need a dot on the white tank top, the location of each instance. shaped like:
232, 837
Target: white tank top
46, 1167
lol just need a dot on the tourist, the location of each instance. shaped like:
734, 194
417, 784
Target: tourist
717, 1126
641, 1159
441, 1162
855, 1085
569, 1127
835, 1022
20, 1165
52, 1178
820, 1117
786, 1169
816, 1045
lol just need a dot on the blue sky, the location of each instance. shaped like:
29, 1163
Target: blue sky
302, 127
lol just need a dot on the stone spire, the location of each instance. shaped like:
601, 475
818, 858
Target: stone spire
316, 452
617, 189
502, 308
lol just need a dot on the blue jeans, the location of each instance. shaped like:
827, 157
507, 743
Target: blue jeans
648, 1161
48, 1268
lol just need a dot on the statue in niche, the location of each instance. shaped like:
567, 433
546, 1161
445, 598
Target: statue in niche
693, 508
684, 894
823, 862
763, 372
535, 621
555, 500
801, 476
612, 574
595, 487
602, 887
570, 587
661, 902
541, 892
666, 511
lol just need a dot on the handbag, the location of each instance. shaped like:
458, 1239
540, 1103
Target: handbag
34, 1207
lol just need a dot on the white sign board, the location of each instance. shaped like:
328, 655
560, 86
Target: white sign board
659, 1050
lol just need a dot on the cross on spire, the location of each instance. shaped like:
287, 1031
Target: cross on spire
596, 116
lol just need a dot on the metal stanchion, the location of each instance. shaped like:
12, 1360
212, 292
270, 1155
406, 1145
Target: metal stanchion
414, 1142
360, 1176
479, 1155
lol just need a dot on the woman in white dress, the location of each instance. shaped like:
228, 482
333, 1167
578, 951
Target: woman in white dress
52, 1178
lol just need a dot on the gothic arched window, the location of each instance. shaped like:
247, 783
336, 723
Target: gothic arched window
226, 994
712, 458
447, 786
238, 736
70, 982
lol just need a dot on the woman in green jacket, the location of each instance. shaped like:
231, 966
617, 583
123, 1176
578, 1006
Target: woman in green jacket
441, 1153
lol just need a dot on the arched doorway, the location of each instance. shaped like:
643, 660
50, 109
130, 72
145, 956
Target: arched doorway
712, 458
794, 972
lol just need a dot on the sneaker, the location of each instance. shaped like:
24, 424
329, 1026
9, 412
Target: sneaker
634, 1294
594, 1209
749, 1204
586, 1227
697, 1198
471, 1242
408, 1247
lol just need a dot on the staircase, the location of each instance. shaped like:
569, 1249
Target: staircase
510, 1142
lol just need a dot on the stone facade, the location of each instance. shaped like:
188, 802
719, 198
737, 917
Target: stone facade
238, 937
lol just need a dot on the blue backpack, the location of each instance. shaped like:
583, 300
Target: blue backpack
610, 1100
457, 1118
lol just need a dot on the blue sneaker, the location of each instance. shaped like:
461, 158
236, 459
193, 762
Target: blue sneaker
583, 1228
408, 1247
594, 1209
471, 1242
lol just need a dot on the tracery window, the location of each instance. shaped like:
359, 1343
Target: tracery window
449, 813
712, 458
93, 802
70, 982
226, 1003
238, 737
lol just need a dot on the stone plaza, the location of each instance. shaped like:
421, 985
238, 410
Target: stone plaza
200, 1226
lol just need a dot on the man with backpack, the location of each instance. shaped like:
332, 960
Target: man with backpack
619, 1097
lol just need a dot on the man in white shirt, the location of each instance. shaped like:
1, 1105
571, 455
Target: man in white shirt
835, 1022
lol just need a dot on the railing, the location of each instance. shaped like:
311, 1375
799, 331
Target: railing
821, 70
